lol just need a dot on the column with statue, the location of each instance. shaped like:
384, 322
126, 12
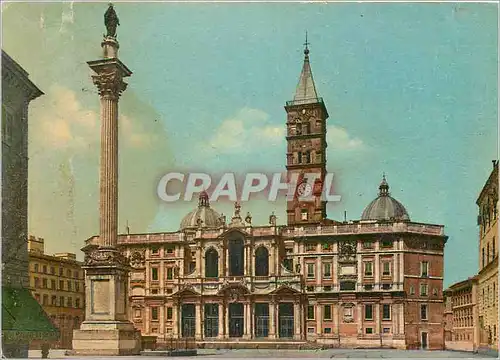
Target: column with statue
106, 329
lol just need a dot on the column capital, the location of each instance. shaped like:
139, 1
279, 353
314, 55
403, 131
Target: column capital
109, 84
108, 78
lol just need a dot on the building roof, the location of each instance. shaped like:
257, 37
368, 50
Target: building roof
13, 68
384, 206
490, 183
203, 216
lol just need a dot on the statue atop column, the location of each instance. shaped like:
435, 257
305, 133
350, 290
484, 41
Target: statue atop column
111, 21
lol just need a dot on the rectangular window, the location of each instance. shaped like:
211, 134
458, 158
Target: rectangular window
53, 284
61, 301
53, 300
310, 288
310, 312
154, 313
386, 312
68, 273
412, 290
45, 283
75, 274
61, 284
303, 214
386, 330
61, 271
77, 286
310, 270
423, 289
170, 250
327, 270
37, 282
369, 330
36, 267
170, 273
327, 330
327, 312
52, 270
45, 299
77, 303
424, 269
386, 268
311, 330
423, 312
154, 274
368, 268
70, 302
45, 269
69, 285
368, 312
169, 313
155, 251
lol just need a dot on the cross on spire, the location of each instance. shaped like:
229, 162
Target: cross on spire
306, 44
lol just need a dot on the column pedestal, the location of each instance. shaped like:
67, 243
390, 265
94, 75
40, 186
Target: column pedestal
106, 329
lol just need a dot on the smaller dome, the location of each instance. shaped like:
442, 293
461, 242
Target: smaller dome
203, 216
385, 207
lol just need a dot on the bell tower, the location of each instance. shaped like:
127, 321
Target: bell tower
306, 149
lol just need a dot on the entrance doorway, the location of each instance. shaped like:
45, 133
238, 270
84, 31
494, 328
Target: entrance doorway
261, 320
188, 320
236, 320
424, 340
285, 316
211, 320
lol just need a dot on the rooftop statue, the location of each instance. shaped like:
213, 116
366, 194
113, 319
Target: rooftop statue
111, 21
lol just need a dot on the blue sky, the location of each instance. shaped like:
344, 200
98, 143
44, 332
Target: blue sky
411, 90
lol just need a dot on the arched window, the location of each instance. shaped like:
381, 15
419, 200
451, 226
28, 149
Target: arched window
211, 263
236, 257
261, 261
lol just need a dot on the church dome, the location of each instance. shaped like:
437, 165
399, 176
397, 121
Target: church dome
203, 216
385, 207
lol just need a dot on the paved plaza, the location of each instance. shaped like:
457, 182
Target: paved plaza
208, 354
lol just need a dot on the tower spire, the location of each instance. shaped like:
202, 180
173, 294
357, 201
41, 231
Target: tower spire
306, 89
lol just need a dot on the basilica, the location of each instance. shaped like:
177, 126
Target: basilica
373, 282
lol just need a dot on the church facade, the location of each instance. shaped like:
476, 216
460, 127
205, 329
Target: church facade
374, 282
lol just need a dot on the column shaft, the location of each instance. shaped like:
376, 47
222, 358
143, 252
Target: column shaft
109, 172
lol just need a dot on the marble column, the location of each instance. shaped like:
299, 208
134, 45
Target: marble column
272, 320
220, 335
175, 320
199, 321
226, 322
297, 319
246, 320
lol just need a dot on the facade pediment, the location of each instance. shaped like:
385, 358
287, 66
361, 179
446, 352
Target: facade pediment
230, 231
285, 290
186, 291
